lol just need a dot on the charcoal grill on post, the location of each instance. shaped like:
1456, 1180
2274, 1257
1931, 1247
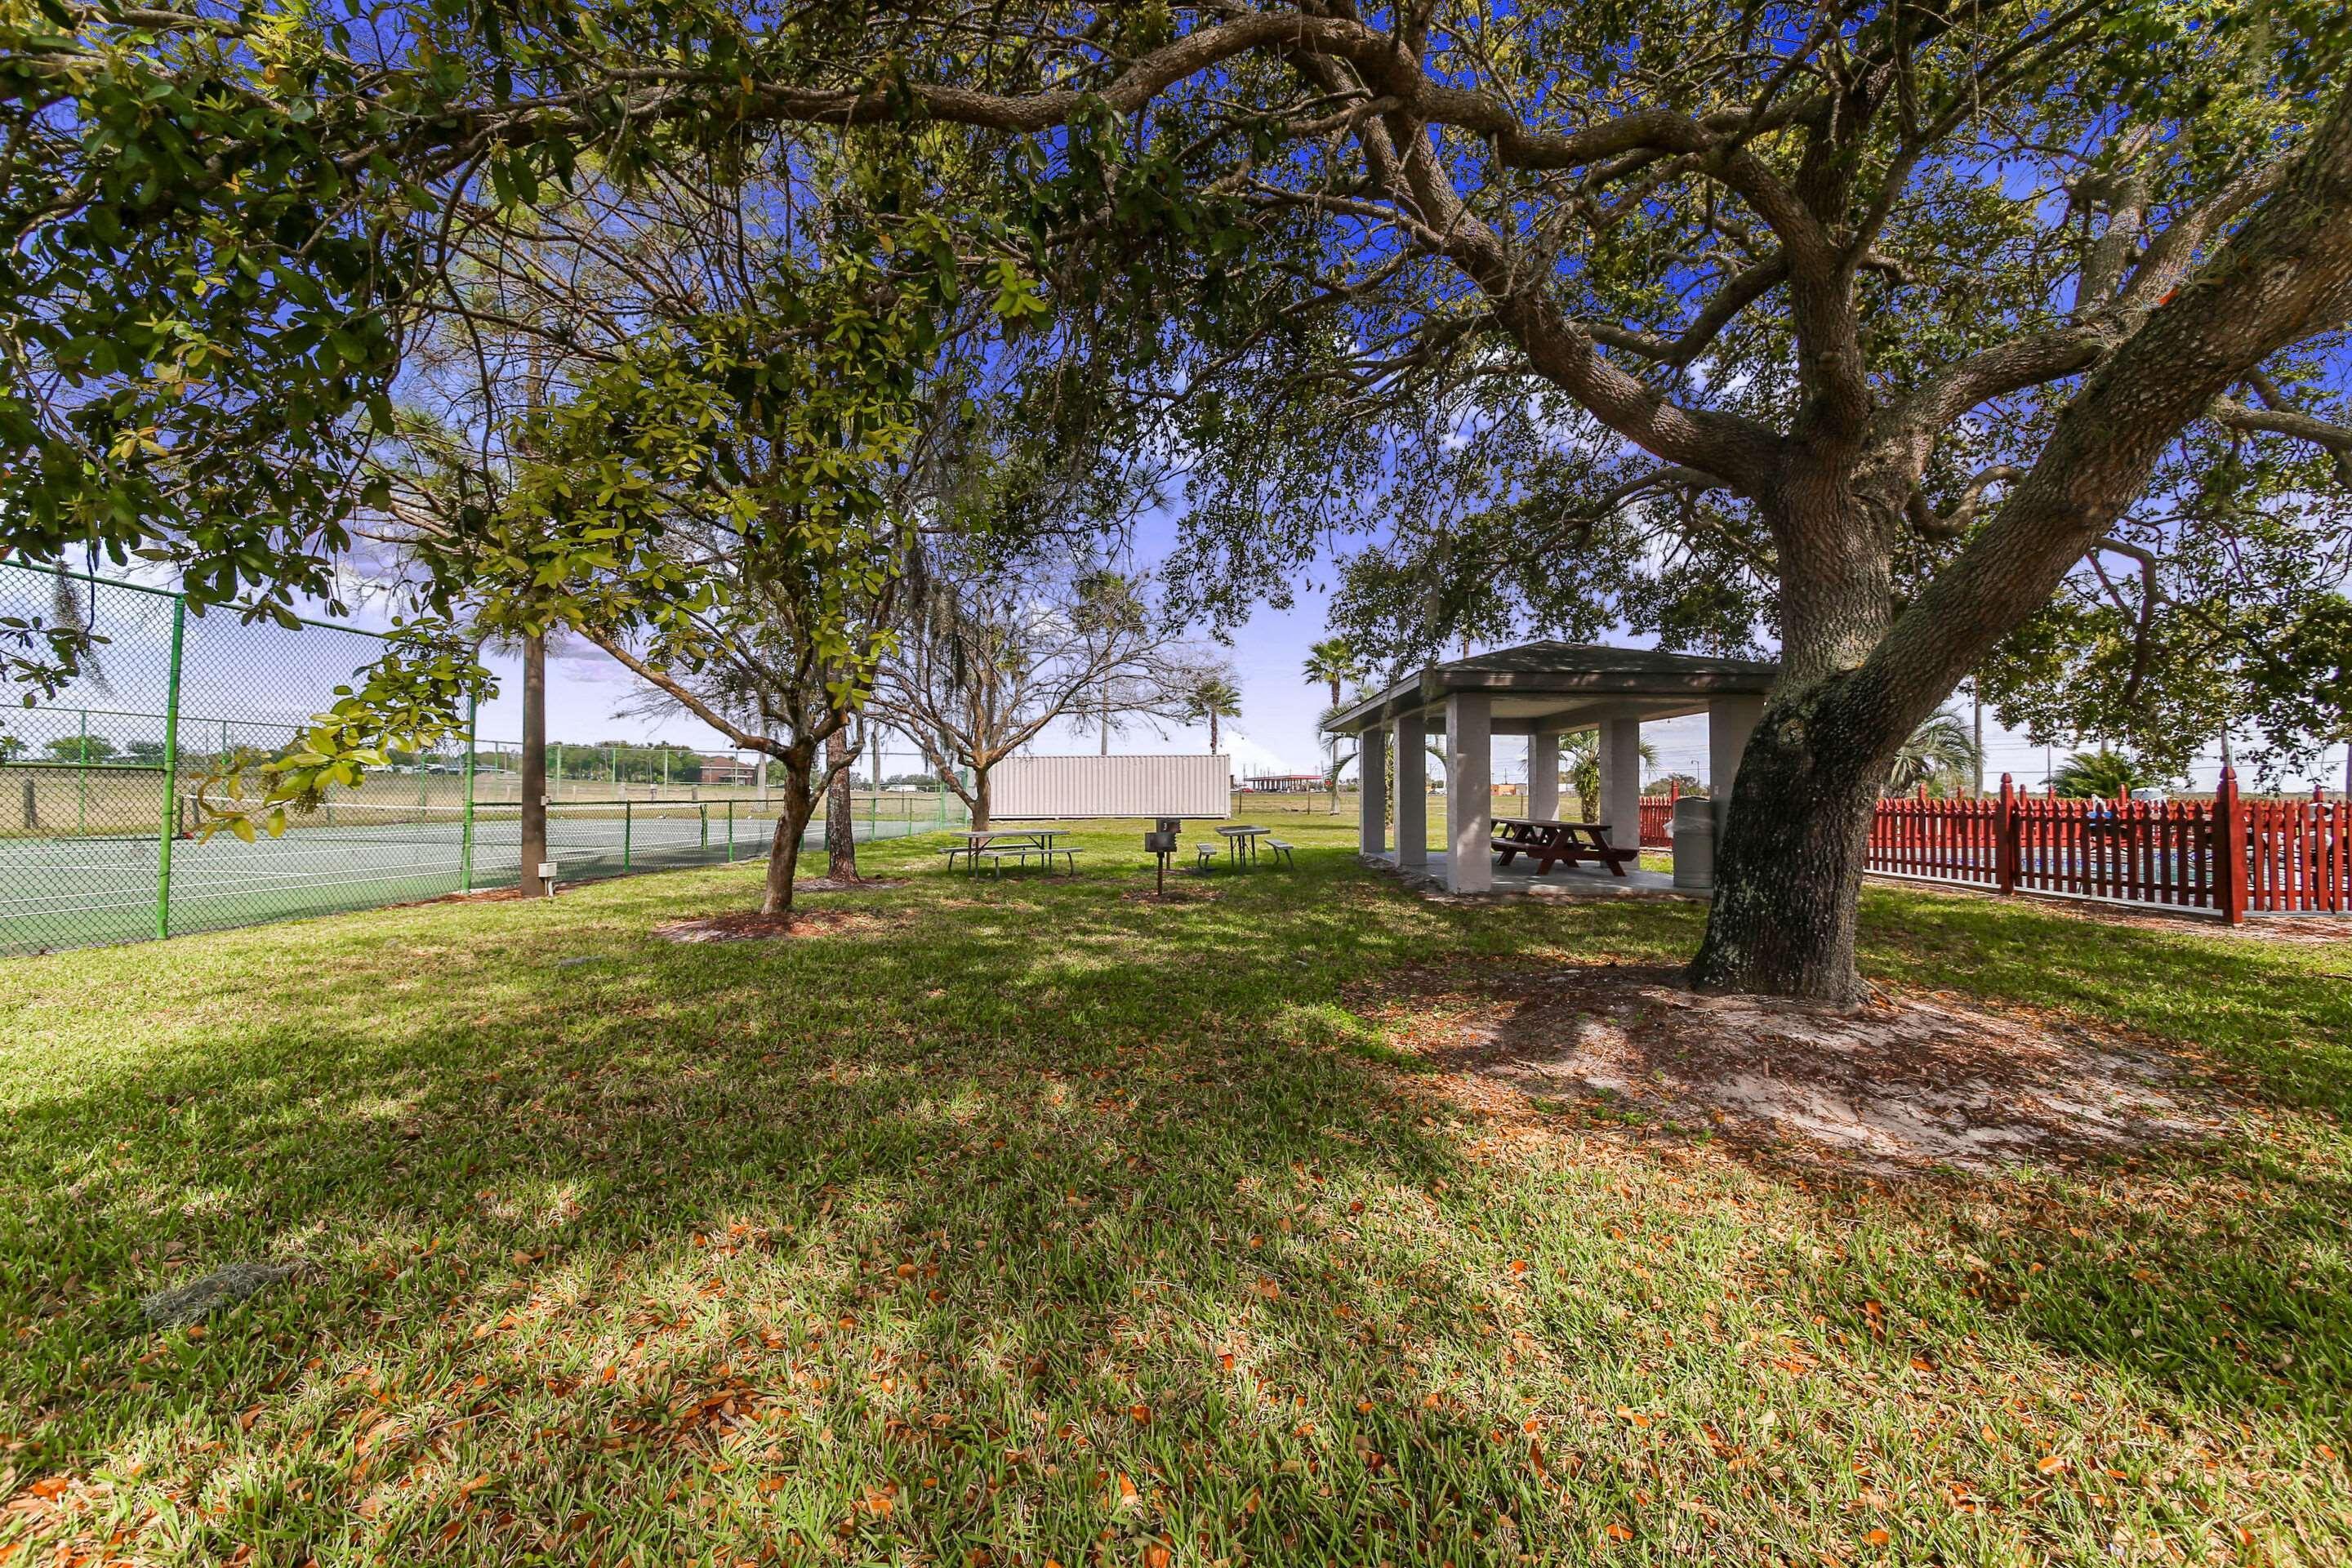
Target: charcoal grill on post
1160, 843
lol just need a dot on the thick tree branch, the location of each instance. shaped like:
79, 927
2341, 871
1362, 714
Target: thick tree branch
2335, 438
1679, 351
2284, 275
806, 741
1955, 522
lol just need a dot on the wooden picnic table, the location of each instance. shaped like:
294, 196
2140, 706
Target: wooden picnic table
1241, 842
1548, 843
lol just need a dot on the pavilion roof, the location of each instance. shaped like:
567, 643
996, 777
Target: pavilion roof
1566, 684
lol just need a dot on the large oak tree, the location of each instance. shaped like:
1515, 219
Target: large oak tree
1907, 303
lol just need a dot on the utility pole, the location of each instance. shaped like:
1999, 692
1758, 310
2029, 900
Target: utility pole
534, 766
527, 880
1977, 693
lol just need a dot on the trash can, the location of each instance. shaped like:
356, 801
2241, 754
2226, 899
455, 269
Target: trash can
1694, 833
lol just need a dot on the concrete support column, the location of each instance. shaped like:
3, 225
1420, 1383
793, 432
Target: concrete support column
1621, 781
1543, 775
1412, 791
1372, 801
1469, 791
1730, 721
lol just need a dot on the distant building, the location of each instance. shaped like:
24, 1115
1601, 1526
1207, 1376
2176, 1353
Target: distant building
1284, 784
724, 769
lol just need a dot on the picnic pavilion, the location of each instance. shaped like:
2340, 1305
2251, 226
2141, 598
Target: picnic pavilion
1542, 690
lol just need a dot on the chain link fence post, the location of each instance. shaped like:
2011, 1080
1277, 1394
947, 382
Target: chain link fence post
465, 845
171, 768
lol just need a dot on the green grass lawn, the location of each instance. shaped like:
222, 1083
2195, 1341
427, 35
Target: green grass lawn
1028, 1222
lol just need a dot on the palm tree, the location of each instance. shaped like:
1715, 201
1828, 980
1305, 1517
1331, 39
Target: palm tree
1216, 697
1940, 752
1337, 662
2101, 775
1580, 759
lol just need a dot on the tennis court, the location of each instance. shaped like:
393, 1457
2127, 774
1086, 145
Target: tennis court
85, 891
168, 703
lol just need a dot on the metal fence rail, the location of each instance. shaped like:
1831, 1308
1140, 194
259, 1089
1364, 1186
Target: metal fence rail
98, 784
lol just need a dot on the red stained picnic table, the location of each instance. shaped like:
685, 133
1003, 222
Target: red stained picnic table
1549, 843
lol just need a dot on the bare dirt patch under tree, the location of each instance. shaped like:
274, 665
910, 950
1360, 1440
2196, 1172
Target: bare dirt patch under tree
1902, 1083
750, 925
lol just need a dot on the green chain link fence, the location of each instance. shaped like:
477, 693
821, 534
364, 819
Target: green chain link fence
98, 784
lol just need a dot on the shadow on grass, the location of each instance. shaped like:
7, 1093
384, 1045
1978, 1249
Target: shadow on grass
951, 1234
2111, 1200
988, 1163
2277, 1013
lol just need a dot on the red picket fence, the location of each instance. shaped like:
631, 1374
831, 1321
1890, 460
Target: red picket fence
2231, 856
2299, 856
1658, 820
1944, 840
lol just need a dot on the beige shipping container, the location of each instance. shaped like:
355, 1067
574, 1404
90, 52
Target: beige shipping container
1195, 786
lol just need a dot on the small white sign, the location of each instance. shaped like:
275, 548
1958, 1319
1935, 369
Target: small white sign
547, 871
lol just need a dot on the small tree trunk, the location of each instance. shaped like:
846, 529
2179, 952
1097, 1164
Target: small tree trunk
840, 813
795, 807
979, 802
1212, 731
534, 767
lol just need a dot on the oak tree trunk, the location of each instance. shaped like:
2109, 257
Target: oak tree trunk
979, 802
1788, 872
1788, 868
840, 813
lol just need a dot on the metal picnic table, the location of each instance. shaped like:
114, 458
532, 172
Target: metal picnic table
1241, 843
1022, 841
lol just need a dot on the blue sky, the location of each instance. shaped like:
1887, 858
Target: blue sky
1274, 732
261, 672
